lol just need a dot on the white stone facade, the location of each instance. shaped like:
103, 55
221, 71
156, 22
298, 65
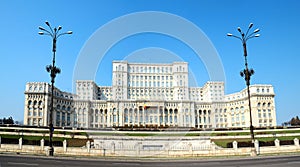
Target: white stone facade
149, 95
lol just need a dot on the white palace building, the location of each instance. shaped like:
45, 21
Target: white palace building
149, 95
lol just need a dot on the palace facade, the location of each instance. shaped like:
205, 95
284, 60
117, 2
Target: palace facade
149, 95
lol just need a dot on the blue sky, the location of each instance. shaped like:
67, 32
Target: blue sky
274, 56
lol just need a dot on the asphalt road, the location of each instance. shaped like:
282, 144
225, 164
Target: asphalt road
24, 161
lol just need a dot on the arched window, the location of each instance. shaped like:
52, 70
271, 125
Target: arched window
175, 116
126, 115
166, 115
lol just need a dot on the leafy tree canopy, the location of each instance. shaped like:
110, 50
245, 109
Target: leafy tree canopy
8, 120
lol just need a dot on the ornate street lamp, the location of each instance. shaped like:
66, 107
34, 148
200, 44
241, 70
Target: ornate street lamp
247, 73
53, 70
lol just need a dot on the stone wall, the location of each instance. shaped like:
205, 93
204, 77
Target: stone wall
150, 147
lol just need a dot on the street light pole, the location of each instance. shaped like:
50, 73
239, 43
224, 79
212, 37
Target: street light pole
247, 73
53, 70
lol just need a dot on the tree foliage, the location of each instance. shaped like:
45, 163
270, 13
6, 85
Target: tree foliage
295, 121
8, 120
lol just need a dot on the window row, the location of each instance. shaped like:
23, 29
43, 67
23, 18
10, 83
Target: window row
150, 69
263, 104
262, 90
149, 84
142, 77
35, 103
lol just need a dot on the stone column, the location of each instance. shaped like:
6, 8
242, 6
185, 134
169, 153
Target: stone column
113, 148
190, 148
138, 148
158, 116
65, 145
163, 117
256, 145
213, 146
138, 117
88, 146
296, 141
42, 144
20, 143
143, 118
277, 143
235, 145
94, 118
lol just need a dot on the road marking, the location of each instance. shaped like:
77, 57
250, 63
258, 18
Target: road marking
26, 164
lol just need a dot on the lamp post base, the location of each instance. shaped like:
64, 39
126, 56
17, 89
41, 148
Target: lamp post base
50, 151
253, 152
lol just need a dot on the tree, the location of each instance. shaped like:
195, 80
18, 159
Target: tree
295, 121
8, 120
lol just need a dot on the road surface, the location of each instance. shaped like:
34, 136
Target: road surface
28, 161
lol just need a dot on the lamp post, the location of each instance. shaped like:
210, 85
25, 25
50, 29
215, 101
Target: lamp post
247, 73
53, 70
